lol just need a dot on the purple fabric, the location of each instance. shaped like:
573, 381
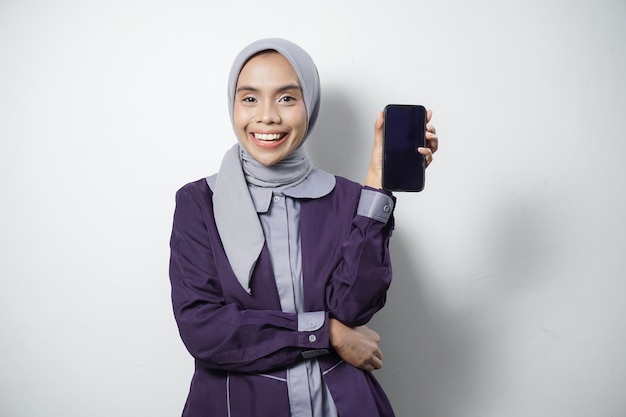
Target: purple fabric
233, 335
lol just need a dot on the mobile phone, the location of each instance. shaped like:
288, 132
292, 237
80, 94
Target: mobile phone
404, 130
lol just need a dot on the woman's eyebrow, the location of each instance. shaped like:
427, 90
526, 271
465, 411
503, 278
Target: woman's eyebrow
280, 89
290, 87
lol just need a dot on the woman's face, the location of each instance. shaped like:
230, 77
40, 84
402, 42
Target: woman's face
269, 112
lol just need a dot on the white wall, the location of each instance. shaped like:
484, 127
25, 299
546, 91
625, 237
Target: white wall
510, 266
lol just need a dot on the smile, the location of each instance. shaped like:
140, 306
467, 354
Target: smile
269, 136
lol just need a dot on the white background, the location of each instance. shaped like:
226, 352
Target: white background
509, 268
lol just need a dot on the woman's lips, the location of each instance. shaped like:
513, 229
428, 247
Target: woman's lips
268, 136
269, 139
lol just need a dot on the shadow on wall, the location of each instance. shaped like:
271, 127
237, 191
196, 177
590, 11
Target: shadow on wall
339, 143
440, 355
525, 236
424, 368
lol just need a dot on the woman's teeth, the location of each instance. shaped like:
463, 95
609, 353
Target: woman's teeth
268, 136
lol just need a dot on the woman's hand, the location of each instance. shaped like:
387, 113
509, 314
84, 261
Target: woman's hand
358, 346
432, 141
375, 169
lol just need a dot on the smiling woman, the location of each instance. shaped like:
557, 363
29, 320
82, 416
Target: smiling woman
276, 265
269, 113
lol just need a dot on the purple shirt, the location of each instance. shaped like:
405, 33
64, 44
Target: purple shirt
243, 343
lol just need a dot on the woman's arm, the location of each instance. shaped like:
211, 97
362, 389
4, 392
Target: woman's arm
356, 300
358, 286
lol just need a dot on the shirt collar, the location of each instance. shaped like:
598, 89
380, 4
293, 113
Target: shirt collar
318, 184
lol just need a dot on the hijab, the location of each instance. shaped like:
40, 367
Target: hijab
235, 215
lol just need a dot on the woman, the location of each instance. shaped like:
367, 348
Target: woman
276, 265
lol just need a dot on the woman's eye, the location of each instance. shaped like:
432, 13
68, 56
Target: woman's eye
249, 100
286, 99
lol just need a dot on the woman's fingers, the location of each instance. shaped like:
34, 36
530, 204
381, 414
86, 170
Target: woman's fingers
428, 154
432, 140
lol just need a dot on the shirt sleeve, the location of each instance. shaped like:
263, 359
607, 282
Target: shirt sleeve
221, 335
376, 205
358, 285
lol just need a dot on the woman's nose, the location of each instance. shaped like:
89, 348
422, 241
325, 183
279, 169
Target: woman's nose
269, 113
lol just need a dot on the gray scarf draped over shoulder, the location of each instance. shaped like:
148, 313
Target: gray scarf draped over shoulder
235, 215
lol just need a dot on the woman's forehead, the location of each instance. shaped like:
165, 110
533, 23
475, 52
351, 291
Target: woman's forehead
268, 67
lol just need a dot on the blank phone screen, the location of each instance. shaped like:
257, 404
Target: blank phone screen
403, 131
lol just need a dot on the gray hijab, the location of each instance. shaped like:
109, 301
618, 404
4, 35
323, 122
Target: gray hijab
235, 215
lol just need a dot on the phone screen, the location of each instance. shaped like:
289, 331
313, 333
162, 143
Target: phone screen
403, 132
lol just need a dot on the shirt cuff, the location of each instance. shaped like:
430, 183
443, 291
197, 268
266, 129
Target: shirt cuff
311, 322
375, 205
